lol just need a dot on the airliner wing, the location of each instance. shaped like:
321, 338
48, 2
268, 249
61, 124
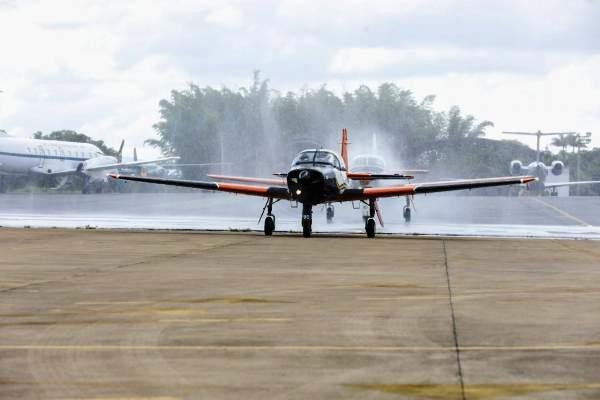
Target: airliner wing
262, 181
275, 192
130, 164
430, 187
561, 184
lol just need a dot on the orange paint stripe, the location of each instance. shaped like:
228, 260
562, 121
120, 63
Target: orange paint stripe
389, 191
247, 179
244, 189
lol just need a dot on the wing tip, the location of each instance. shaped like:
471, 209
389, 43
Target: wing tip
114, 176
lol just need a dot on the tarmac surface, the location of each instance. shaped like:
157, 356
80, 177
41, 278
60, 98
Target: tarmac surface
438, 214
99, 314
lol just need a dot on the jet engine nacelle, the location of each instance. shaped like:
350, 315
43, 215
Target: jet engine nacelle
557, 167
516, 167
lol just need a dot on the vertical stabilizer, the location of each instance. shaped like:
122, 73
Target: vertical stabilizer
344, 152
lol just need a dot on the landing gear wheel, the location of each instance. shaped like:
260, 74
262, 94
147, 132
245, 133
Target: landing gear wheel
406, 214
306, 228
370, 227
269, 225
306, 219
330, 213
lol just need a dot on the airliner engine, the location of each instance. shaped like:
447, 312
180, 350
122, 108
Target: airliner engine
557, 167
516, 167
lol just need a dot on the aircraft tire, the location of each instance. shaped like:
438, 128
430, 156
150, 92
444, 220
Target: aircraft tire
370, 227
407, 215
269, 225
306, 228
330, 214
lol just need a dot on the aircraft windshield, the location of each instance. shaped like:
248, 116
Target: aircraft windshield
315, 157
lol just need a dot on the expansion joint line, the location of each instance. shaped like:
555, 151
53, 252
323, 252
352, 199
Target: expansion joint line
454, 330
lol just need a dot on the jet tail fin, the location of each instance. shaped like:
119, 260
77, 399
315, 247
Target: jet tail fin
120, 152
344, 151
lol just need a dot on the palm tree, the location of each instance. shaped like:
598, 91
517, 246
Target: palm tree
561, 141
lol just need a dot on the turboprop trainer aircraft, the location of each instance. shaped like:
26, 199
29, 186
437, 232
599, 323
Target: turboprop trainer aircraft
320, 176
59, 158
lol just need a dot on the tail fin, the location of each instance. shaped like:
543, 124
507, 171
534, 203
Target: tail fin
120, 152
344, 152
135, 154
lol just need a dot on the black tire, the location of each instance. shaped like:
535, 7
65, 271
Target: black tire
330, 214
269, 225
407, 214
306, 228
370, 228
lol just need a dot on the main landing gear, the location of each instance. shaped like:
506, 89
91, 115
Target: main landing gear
370, 222
406, 212
270, 218
306, 219
330, 213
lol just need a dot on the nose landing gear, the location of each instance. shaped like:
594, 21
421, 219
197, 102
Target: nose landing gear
306, 220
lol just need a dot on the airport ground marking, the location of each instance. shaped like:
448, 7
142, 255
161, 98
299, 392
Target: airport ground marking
562, 212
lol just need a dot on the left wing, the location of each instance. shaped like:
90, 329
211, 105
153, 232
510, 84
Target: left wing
430, 187
275, 192
129, 164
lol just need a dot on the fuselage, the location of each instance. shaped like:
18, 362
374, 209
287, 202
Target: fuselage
22, 156
317, 176
537, 169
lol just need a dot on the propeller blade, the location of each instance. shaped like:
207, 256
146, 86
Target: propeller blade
378, 213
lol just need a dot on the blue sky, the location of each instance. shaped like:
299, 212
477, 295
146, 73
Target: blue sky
102, 66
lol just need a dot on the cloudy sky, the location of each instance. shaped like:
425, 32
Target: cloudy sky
101, 67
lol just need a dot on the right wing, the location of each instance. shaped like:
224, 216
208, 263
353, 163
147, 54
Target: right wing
430, 187
263, 181
275, 192
560, 184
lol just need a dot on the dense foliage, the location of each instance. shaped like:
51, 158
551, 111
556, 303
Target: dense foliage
258, 129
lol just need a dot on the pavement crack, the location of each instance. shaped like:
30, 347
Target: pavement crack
454, 330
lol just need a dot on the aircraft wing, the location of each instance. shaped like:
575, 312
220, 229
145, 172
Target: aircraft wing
560, 184
430, 187
262, 181
276, 192
130, 164
367, 176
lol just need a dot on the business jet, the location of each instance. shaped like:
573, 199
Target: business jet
319, 176
20, 156
540, 170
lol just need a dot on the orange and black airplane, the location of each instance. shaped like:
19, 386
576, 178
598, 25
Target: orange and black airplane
320, 176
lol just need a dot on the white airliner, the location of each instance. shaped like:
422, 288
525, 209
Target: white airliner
57, 158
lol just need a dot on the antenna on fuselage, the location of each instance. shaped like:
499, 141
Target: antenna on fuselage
538, 135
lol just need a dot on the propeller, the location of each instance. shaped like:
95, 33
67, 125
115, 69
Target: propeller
378, 213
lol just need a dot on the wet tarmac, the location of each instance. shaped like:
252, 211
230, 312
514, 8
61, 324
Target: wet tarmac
440, 214
100, 314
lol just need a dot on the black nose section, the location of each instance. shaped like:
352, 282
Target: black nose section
306, 185
304, 176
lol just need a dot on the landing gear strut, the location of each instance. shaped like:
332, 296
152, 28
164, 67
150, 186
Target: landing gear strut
406, 212
270, 218
370, 223
330, 213
306, 219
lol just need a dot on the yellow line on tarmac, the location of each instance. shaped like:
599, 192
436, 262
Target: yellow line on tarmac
546, 347
561, 212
